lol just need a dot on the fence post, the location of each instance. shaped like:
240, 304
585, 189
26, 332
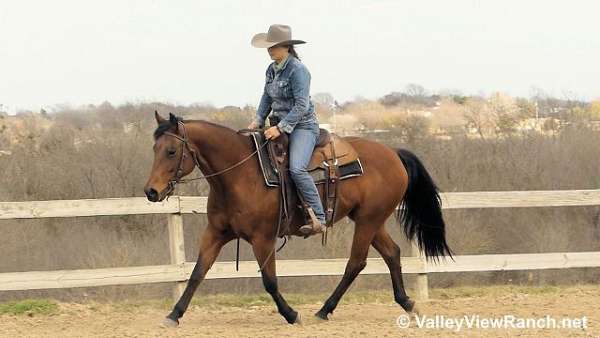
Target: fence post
176, 248
421, 282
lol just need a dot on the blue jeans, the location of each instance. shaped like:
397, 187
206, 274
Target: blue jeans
302, 143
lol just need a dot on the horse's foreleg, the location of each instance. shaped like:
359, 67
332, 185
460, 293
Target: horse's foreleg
390, 252
265, 257
210, 245
363, 235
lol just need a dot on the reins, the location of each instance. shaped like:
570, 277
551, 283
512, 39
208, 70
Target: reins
178, 179
185, 143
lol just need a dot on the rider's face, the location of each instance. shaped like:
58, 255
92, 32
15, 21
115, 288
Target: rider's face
278, 53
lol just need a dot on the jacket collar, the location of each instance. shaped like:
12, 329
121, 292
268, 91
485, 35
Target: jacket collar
285, 63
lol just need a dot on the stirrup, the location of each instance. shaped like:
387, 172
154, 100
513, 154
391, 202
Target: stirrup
312, 229
315, 227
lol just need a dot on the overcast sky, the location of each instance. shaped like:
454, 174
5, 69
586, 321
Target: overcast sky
79, 52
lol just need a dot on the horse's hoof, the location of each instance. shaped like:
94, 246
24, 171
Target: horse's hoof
415, 311
168, 322
408, 305
321, 315
293, 317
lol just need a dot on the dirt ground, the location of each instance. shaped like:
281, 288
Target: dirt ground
351, 319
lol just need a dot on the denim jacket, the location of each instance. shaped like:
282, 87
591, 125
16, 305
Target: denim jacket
287, 94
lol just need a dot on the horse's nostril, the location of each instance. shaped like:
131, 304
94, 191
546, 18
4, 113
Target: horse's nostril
152, 195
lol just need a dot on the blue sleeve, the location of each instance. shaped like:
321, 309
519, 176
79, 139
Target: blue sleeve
300, 85
264, 107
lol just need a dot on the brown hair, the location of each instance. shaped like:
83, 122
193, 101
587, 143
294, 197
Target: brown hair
293, 52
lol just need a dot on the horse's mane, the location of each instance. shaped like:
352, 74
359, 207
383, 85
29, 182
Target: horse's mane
166, 125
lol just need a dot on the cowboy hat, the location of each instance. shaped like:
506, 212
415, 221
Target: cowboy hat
277, 35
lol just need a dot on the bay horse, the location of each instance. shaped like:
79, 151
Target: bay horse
240, 205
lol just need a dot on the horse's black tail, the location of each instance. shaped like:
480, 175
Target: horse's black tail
421, 209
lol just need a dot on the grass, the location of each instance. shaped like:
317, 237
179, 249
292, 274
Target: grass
498, 290
233, 300
251, 300
41, 306
385, 296
29, 307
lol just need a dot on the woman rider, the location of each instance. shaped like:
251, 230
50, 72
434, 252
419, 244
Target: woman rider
286, 93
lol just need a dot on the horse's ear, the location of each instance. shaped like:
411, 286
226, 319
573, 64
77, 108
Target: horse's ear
173, 119
159, 119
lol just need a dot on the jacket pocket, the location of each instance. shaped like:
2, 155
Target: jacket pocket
270, 86
284, 88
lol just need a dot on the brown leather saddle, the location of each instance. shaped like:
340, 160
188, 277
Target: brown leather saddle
330, 153
333, 160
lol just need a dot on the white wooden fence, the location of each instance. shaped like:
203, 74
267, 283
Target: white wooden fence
179, 270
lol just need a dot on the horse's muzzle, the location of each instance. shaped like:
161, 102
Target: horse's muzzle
152, 194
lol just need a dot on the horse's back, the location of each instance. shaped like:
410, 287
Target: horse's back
384, 180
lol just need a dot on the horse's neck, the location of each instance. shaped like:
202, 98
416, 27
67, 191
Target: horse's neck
219, 148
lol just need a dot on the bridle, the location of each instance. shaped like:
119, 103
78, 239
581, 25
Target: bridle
185, 144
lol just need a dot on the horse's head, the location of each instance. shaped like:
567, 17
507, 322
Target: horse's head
172, 158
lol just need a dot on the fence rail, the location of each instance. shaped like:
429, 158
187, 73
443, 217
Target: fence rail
179, 270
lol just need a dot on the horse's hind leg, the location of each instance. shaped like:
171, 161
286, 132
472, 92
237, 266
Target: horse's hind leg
265, 257
390, 252
210, 245
363, 235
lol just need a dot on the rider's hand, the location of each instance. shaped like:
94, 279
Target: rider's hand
253, 125
272, 133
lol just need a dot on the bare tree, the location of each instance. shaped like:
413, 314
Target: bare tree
416, 90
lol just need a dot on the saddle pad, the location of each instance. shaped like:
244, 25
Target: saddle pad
270, 174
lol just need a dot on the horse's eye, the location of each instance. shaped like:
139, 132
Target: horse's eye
171, 152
